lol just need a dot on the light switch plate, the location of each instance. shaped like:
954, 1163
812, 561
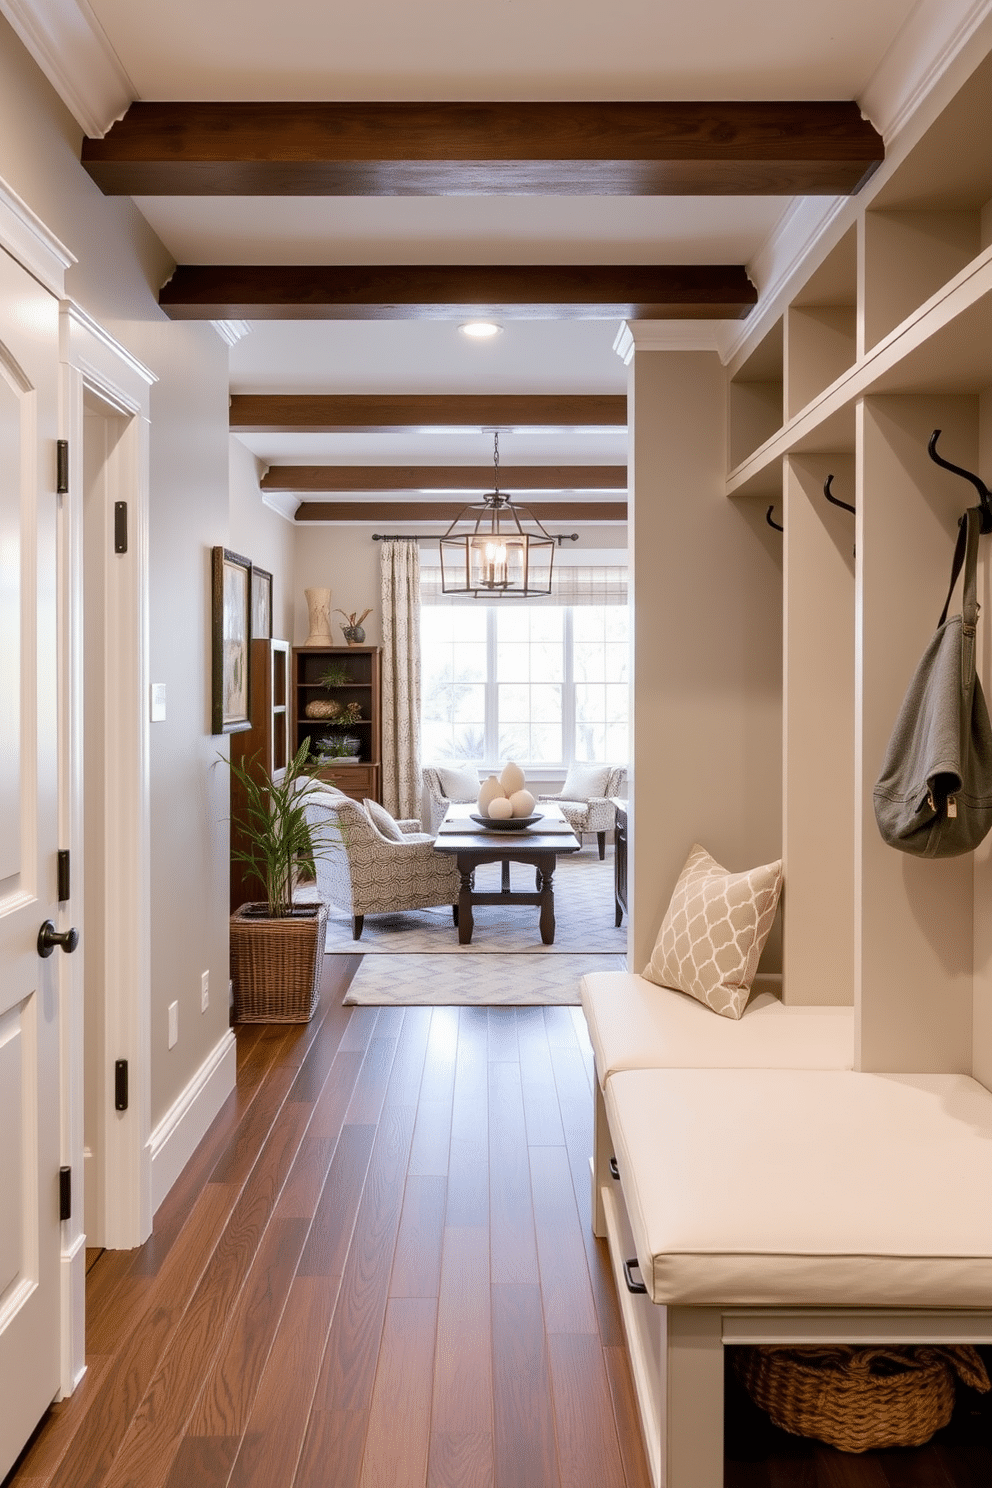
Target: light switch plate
158, 702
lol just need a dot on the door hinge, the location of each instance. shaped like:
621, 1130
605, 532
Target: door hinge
62, 467
63, 875
120, 526
65, 1193
120, 1085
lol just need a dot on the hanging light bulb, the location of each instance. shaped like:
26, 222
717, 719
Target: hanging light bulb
488, 552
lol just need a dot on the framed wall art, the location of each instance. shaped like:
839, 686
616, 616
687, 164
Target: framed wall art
261, 604
231, 635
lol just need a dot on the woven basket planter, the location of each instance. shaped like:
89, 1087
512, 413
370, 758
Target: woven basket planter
859, 1399
276, 963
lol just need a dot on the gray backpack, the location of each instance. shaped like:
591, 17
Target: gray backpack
933, 797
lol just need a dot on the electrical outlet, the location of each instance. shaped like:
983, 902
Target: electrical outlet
204, 991
173, 1024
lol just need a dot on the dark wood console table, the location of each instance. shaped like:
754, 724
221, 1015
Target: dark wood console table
620, 857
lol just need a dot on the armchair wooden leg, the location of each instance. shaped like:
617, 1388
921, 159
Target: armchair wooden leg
602, 845
359, 927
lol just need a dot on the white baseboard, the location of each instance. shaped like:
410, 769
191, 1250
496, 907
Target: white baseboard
73, 1308
184, 1125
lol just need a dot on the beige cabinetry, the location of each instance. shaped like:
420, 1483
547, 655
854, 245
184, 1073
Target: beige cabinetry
889, 338
337, 697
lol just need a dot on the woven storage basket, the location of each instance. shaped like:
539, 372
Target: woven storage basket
858, 1399
276, 964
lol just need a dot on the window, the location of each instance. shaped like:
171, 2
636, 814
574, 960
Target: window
541, 684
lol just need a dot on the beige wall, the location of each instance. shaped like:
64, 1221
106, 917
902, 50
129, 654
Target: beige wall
121, 265
346, 561
706, 577
261, 534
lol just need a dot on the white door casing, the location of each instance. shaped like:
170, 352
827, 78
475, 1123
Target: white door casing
98, 373
30, 992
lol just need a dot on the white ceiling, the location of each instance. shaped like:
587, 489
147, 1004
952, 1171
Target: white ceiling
501, 49
466, 49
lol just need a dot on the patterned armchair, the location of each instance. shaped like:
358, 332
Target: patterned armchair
585, 799
361, 870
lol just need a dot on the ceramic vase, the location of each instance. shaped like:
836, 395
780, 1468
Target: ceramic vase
319, 609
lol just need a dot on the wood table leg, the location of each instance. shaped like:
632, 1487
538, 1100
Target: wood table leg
466, 923
546, 889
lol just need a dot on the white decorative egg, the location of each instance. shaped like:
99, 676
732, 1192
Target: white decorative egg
500, 808
522, 802
490, 789
512, 778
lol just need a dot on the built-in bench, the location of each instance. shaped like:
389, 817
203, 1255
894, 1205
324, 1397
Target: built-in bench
747, 1199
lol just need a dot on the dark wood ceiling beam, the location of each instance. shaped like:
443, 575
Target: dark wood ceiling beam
397, 413
458, 292
386, 512
444, 478
445, 149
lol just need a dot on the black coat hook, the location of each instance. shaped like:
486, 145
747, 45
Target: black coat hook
768, 519
984, 495
836, 499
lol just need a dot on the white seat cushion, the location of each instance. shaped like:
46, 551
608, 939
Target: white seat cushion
634, 1024
807, 1187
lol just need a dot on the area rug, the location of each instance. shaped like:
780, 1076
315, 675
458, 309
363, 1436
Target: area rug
584, 918
493, 980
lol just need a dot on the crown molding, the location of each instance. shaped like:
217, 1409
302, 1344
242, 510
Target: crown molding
668, 335
923, 52
283, 503
231, 331
26, 238
73, 51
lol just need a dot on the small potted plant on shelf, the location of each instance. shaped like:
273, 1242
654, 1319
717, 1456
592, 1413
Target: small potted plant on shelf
353, 632
340, 747
276, 945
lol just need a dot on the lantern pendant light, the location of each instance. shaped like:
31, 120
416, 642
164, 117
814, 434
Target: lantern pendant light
489, 553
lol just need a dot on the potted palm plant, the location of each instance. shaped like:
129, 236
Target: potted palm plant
276, 945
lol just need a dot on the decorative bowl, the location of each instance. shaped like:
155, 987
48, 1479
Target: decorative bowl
506, 823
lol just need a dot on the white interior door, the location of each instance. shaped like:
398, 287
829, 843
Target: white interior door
29, 1001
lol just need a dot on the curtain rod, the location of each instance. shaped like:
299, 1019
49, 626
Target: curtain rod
559, 537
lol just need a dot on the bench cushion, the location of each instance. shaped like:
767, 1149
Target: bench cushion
634, 1024
807, 1188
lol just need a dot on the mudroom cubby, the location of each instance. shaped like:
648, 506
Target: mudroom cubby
756, 411
889, 338
821, 327
818, 730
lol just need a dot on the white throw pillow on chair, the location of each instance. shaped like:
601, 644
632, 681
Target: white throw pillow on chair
459, 782
585, 781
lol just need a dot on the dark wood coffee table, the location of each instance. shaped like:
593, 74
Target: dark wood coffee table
472, 845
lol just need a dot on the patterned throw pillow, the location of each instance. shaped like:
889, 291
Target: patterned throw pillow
459, 783
585, 781
380, 817
714, 931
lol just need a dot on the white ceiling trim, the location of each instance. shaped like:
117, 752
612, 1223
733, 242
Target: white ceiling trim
73, 51
231, 331
283, 503
668, 335
26, 238
925, 48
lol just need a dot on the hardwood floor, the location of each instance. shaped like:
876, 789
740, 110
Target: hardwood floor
378, 1269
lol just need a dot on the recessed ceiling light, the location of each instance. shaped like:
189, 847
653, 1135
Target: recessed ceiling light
480, 329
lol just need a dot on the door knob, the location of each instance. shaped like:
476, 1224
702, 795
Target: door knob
49, 938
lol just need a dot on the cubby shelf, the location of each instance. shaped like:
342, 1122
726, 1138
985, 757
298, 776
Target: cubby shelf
889, 338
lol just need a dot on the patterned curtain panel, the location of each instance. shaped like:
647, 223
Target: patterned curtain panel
570, 585
400, 573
